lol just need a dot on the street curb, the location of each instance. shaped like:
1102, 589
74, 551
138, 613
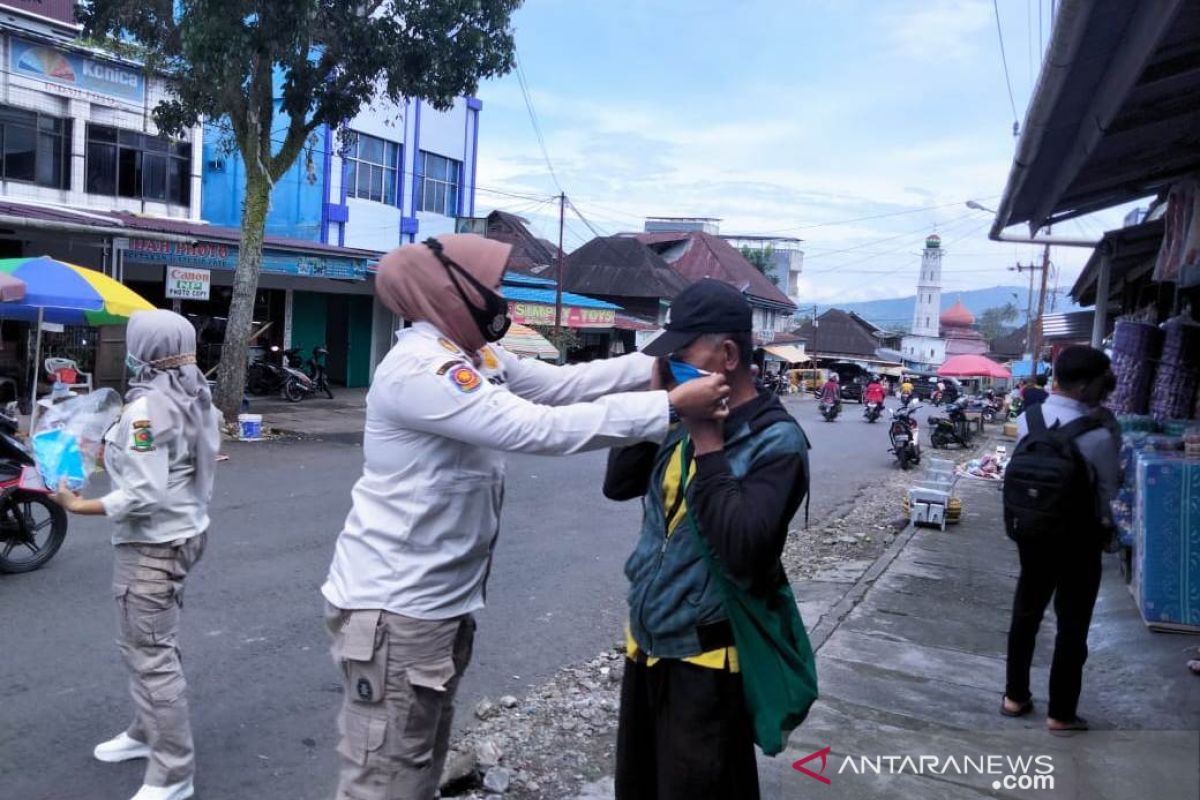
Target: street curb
832, 619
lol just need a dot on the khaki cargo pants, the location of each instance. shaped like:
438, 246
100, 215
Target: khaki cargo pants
399, 675
148, 587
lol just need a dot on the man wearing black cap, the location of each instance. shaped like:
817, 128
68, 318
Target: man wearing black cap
1066, 566
685, 731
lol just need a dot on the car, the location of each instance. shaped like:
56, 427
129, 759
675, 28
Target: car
925, 385
853, 390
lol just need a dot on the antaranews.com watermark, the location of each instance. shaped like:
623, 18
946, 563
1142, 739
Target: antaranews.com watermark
1020, 772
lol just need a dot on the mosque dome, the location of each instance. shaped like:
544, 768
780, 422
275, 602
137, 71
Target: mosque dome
957, 316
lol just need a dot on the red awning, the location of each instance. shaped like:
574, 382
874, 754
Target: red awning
972, 366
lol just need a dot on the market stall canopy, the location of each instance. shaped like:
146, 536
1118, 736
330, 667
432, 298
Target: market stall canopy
56, 291
972, 366
11, 288
788, 353
522, 340
1115, 114
1132, 252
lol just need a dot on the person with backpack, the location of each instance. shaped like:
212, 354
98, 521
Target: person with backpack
718, 658
1058, 489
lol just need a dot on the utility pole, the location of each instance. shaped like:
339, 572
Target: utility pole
1037, 341
558, 284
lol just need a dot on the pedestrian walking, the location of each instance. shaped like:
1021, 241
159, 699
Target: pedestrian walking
410, 565
1036, 392
160, 456
718, 500
1058, 489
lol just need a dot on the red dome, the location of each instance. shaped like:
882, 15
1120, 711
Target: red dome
957, 316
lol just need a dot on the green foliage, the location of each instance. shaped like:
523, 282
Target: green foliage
996, 322
565, 339
763, 259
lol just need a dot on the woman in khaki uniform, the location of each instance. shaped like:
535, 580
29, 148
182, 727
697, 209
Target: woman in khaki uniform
160, 457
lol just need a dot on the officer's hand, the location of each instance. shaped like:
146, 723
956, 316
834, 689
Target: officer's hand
706, 398
65, 497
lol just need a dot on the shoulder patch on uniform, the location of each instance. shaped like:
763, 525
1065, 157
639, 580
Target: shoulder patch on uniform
141, 423
489, 358
143, 438
465, 379
448, 345
444, 368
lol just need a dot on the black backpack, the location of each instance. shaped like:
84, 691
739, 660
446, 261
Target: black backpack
1048, 488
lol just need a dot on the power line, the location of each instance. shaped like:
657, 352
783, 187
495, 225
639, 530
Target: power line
533, 119
1004, 60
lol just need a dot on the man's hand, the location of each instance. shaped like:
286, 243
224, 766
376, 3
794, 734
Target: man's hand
703, 398
708, 435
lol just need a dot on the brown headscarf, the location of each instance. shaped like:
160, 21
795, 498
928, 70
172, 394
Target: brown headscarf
414, 284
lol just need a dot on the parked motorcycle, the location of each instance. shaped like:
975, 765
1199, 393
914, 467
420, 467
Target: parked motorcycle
265, 376
830, 411
950, 429
873, 411
903, 433
32, 526
268, 377
316, 370
297, 385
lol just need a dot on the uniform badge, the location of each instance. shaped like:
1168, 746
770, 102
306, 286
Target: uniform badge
448, 345
465, 379
143, 436
444, 368
489, 359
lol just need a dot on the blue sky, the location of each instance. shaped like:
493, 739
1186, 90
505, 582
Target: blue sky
793, 118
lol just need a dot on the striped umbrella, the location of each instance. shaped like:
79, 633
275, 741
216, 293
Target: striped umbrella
56, 291
68, 294
525, 341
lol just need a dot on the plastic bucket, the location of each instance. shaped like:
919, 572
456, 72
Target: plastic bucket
250, 426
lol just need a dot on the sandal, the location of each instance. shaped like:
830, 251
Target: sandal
1074, 726
1022, 709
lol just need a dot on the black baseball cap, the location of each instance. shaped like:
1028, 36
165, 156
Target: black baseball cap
707, 306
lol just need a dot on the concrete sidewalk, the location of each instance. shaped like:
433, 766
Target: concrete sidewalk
316, 417
911, 663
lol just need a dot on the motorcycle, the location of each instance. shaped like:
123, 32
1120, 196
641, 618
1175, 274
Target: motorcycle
1015, 409
950, 429
32, 526
265, 377
903, 434
830, 411
316, 370
992, 408
297, 385
873, 411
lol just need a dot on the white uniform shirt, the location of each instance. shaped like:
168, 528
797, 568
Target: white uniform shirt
418, 540
155, 497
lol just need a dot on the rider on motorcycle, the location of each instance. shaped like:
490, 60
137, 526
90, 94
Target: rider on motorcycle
831, 392
874, 392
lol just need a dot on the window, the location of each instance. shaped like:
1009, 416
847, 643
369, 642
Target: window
437, 190
371, 168
35, 148
131, 164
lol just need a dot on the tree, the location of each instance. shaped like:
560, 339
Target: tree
276, 70
763, 259
996, 322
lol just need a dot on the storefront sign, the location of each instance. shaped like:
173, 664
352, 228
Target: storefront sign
214, 255
75, 71
187, 283
572, 316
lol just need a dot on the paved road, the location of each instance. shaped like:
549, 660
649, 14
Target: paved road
264, 692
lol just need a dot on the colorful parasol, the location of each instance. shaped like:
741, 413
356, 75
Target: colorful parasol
972, 366
522, 340
68, 294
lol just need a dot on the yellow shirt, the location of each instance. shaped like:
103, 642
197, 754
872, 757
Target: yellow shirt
906, 388
673, 486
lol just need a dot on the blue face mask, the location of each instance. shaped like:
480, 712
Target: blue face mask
133, 363
683, 372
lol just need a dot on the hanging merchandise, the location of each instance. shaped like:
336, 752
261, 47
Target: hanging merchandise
1136, 348
1178, 371
1179, 253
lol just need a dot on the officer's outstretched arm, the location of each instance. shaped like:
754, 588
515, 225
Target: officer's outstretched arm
455, 401
575, 383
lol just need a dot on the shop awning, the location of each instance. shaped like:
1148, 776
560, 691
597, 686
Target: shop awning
1133, 251
525, 341
1115, 114
787, 353
536, 306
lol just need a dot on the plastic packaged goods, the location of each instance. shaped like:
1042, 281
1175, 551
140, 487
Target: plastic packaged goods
66, 443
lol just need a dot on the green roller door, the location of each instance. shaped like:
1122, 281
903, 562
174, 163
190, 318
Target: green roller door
358, 355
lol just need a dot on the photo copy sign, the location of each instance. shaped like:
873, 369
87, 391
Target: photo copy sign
187, 283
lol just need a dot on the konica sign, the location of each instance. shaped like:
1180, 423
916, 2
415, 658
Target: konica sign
75, 71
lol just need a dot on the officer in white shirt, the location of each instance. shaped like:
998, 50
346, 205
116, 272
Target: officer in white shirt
411, 563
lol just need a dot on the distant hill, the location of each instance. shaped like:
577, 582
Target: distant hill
898, 312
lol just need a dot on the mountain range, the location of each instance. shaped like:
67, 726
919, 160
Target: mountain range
897, 313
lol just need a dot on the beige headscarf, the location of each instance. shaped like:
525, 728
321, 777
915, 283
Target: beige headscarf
414, 284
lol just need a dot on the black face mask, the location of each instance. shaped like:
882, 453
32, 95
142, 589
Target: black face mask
492, 320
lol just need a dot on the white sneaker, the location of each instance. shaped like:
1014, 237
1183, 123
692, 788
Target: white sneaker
121, 747
176, 791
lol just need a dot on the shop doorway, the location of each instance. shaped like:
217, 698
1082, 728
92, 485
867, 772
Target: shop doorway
340, 322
